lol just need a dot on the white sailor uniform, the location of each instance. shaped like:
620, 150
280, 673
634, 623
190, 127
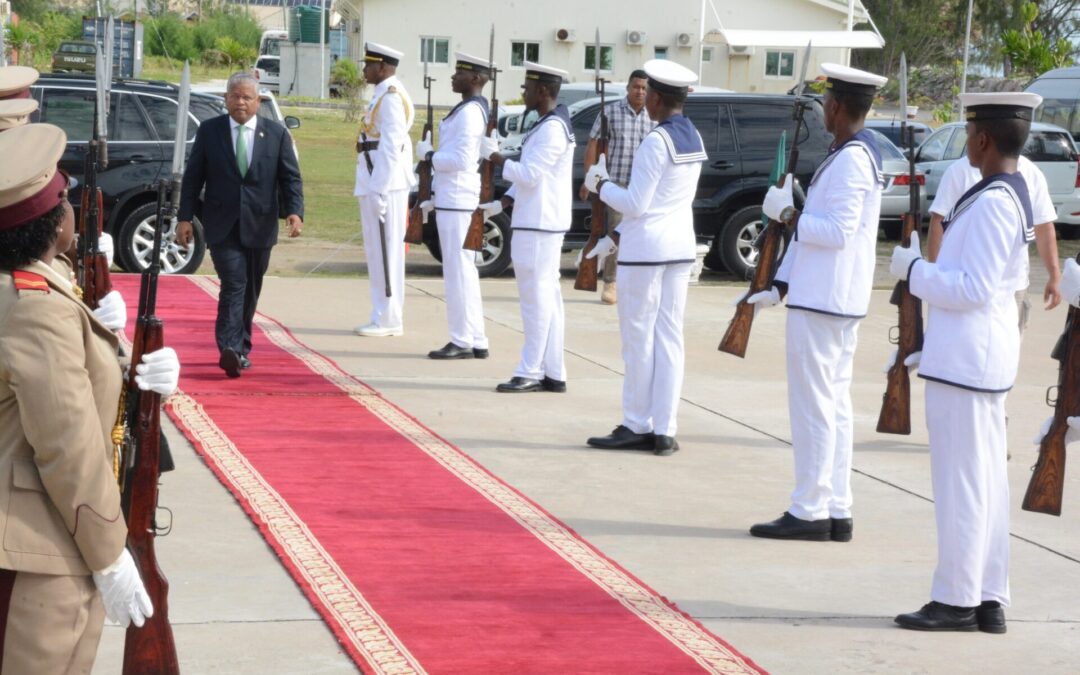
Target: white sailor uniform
456, 184
657, 246
542, 193
387, 120
829, 270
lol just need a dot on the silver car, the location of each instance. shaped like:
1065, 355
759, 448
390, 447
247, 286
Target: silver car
896, 196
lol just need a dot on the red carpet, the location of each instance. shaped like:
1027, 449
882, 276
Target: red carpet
417, 557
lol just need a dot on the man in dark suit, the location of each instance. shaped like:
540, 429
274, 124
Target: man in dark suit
248, 168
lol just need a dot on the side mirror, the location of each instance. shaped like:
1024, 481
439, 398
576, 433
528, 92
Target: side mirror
292, 122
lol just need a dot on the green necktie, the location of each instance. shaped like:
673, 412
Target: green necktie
241, 150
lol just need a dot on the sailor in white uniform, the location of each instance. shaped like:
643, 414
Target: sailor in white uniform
541, 195
384, 175
656, 248
827, 272
969, 361
456, 185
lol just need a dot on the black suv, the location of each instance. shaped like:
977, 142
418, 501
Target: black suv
142, 125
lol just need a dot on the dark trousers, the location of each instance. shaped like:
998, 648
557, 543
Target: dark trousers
241, 271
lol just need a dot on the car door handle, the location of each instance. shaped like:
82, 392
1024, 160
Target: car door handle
722, 164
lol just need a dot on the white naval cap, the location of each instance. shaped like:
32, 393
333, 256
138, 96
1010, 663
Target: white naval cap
15, 112
852, 80
1000, 106
542, 73
373, 51
668, 76
465, 61
15, 81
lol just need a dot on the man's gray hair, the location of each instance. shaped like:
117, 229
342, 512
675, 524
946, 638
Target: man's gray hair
241, 78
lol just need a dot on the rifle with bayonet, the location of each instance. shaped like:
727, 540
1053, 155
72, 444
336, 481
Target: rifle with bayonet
474, 236
93, 266
414, 233
895, 415
737, 336
589, 268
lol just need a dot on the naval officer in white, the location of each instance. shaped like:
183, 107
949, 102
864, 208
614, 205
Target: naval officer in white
656, 248
384, 175
969, 361
827, 272
541, 196
456, 185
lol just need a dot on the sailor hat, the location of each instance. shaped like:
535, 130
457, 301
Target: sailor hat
464, 61
15, 81
851, 80
375, 52
16, 112
668, 76
1000, 106
33, 186
539, 73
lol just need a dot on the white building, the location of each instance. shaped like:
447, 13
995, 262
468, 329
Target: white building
744, 45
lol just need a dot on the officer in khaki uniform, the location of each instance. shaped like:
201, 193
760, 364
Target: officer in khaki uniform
15, 82
62, 533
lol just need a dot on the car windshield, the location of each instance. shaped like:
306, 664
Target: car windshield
577, 106
70, 48
886, 147
266, 109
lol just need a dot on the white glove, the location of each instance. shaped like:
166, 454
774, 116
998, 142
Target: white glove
489, 145
159, 371
1071, 436
105, 245
426, 207
423, 147
762, 299
112, 311
902, 257
912, 361
778, 198
597, 172
380, 203
602, 250
123, 593
491, 209
1070, 282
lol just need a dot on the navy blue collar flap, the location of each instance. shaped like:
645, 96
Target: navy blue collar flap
479, 100
864, 139
682, 139
1013, 184
560, 115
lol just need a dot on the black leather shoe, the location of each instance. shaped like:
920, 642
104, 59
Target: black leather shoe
230, 362
245, 362
621, 438
788, 526
665, 445
451, 351
480, 353
555, 386
841, 529
938, 616
991, 617
519, 385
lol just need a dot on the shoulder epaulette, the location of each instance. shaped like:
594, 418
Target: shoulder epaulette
28, 281
391, 89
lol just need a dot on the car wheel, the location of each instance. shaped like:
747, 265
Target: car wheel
736, 241
494, 258
137, 238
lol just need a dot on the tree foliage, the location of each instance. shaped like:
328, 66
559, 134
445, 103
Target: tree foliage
1029, 51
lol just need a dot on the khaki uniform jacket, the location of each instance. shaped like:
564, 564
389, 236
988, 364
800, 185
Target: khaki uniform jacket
60, 383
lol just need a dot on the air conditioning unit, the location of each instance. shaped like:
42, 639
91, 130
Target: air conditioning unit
565, 35
684, 40
636, 38
740, 50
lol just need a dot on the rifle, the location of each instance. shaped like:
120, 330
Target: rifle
474, 236
588, 270
414, 233
1048, 477
737, 336
93, 266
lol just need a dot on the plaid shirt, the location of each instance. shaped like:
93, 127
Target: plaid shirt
626, 130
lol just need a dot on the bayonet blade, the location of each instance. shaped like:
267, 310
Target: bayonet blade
596, 61
100, 95
491, 50
802, 74
183, 100
903, 88
3, 49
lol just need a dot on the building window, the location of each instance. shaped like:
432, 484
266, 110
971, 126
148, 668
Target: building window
607, 55
434, 50
660, 52
779, 64
522, 51
706, 54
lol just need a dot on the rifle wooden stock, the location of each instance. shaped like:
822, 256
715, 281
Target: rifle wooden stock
1044, 491
737, 336
895, 415
589, 268
414, 233
474, 236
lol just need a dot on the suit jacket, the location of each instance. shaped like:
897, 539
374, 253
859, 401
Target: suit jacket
251, 201
60, 385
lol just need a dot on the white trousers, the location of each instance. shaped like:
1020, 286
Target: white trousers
536, 257
820, 352
386, 312
464, 306
971, 494
652, 302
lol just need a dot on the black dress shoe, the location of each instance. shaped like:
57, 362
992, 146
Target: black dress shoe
841, 529
990, 616
451, 351
230, 362
788, 526
556, 386
665, 445
621, 438
245, 362
938, 616
480, 353
518, 385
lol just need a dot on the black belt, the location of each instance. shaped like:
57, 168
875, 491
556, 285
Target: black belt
366, 146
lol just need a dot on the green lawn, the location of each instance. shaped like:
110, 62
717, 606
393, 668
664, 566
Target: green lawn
161, 68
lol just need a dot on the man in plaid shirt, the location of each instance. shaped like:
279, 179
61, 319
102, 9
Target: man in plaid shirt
628, 122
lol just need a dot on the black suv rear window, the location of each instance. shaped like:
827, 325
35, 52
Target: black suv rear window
1049, 146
